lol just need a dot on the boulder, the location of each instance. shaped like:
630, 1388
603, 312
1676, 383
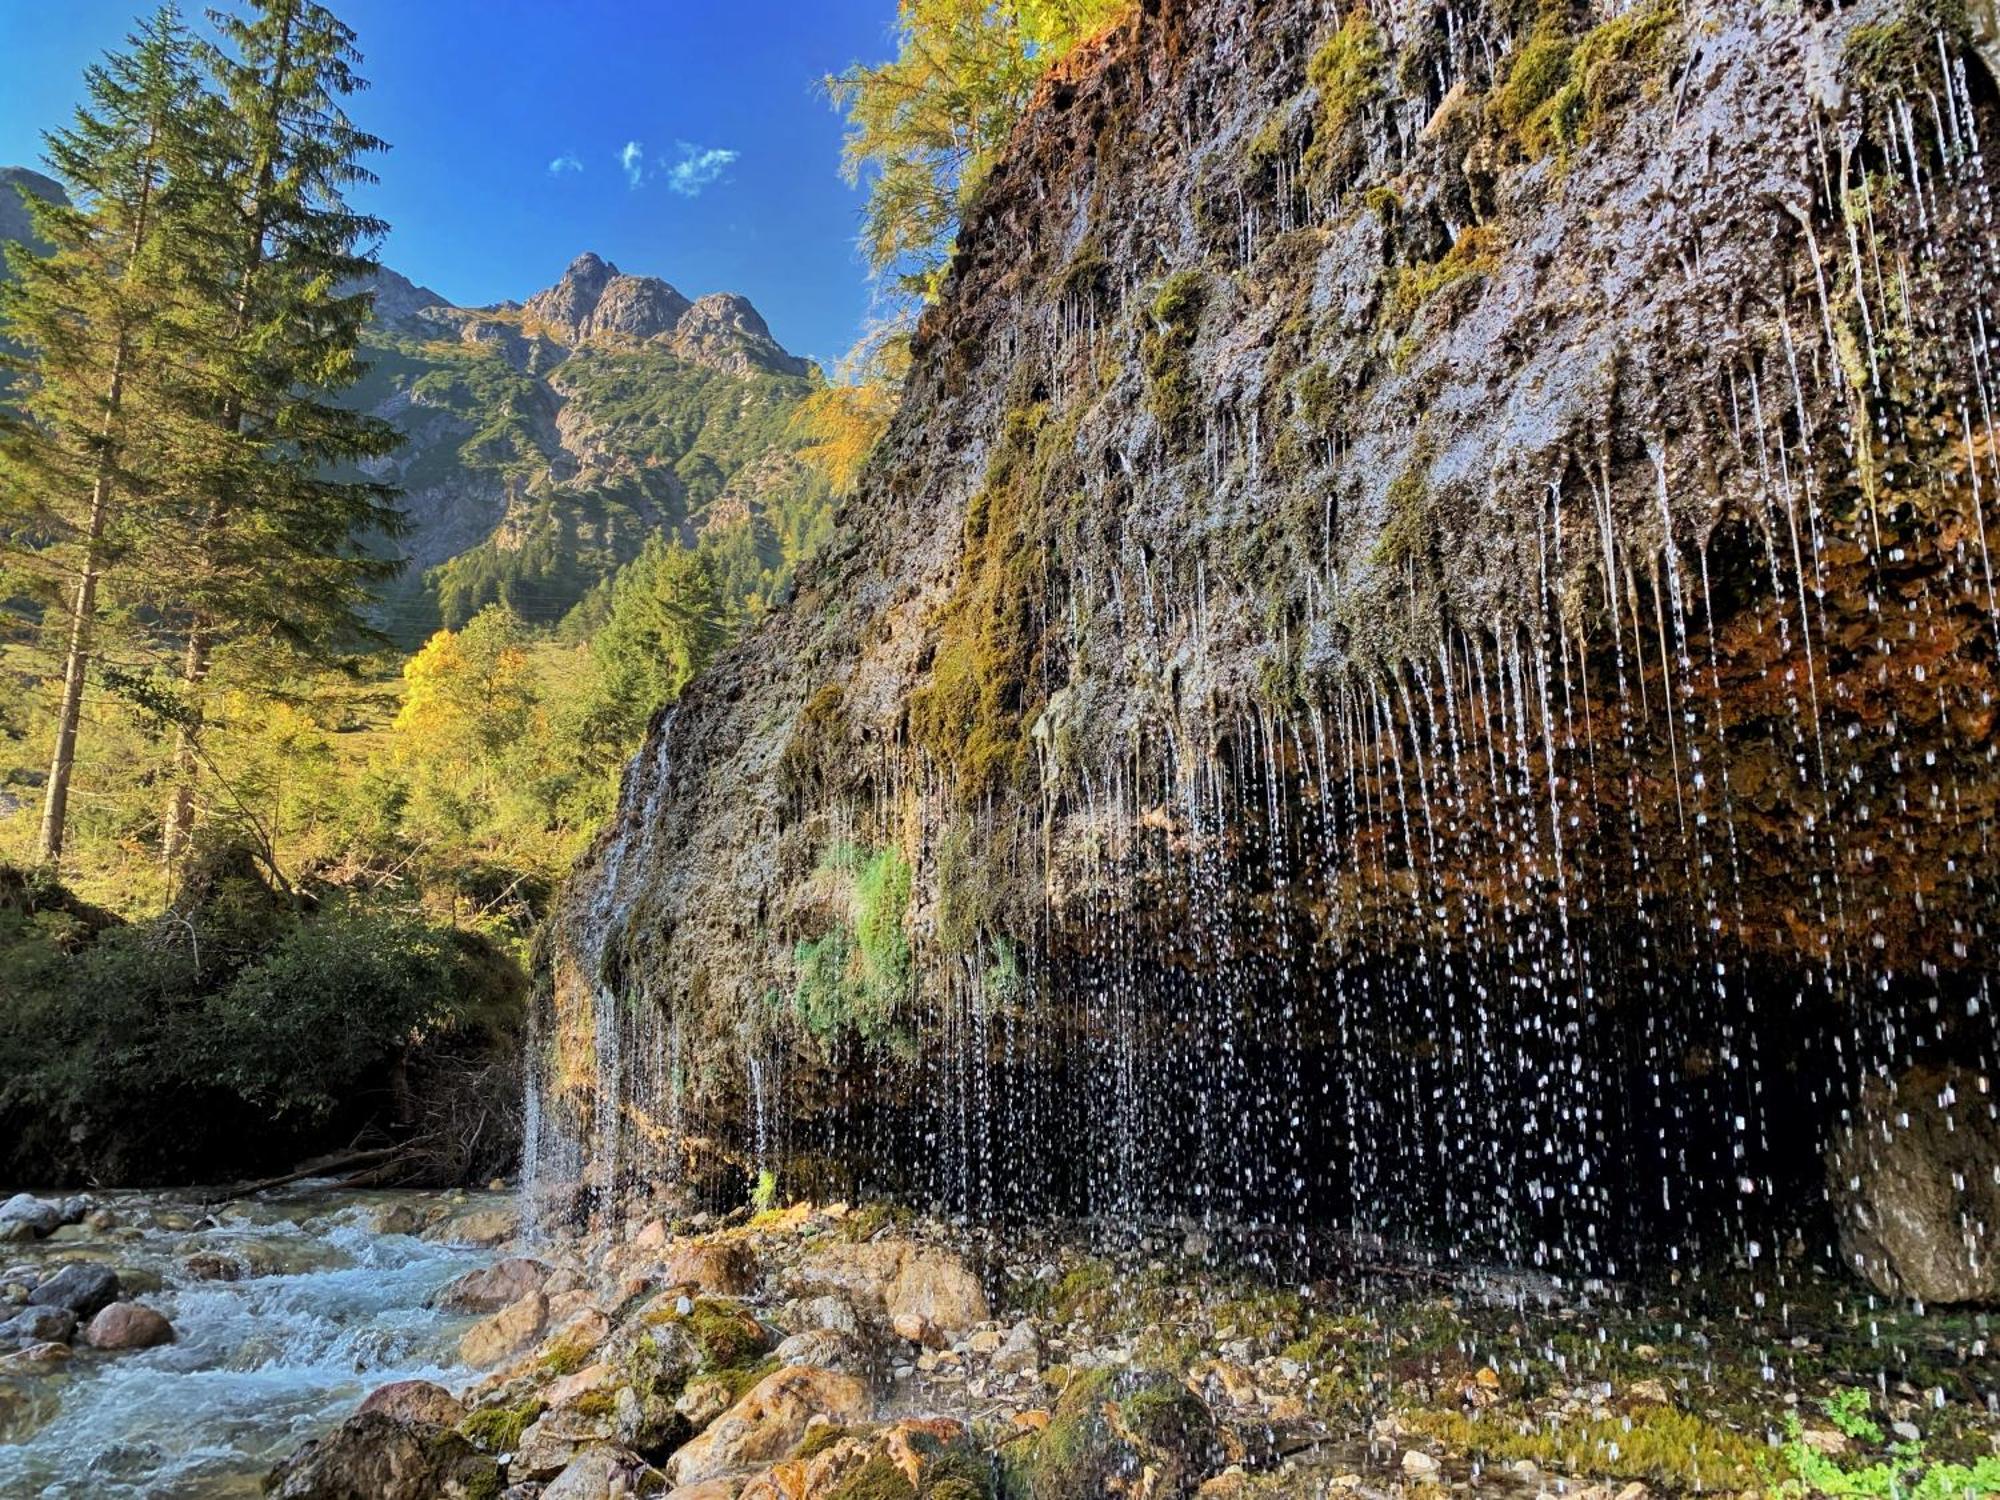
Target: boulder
1111, 1427
493, 1287
212, 1265
26, 1217
556, 1439
915, 1328
38, 1325
491, 1340
605, 1473
721, 1268
481, 1227
704, 1400
36, 1359
396, 1218
768, 1423
415, 1401
374, 1456
1021, 1351
827, 1349
903, 1278
81, 1286
722, 1487
827, 1311
918, 1456
128, 1325
1914, 1179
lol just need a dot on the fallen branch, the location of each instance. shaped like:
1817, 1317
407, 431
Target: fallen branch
324, 1167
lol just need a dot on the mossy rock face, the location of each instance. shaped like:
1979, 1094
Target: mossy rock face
878, 1479
1110, 1427
729, 1337
498, 1429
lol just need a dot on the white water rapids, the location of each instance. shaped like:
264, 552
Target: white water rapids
332, 1307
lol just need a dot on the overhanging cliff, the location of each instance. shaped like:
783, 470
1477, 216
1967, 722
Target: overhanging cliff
1422, 650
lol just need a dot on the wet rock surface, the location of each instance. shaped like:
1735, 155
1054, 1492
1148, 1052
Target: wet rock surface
1415, 656
1154, 1372
1915, 1184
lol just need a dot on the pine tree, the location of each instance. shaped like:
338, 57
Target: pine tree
276, 518
93, 318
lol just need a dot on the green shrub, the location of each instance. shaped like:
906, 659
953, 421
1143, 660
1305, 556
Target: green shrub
241, 1031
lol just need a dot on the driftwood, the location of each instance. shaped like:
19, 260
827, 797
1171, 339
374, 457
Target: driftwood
375, 1159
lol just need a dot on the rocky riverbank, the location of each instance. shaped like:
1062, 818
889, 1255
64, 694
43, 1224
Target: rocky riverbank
155, 1345
829, 1353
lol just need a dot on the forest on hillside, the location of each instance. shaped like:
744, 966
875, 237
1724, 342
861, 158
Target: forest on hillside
274, 761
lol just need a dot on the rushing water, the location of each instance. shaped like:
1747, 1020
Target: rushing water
332, 1308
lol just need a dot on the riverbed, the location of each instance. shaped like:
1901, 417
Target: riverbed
287, 1310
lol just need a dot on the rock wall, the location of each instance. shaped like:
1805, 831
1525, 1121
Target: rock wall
1421, 653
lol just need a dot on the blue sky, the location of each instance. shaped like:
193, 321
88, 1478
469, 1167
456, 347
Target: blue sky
711, 105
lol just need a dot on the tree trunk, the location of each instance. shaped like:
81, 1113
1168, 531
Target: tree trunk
76, 661
177, 829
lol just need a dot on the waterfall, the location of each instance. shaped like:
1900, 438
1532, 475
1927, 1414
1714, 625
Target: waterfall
1544, 886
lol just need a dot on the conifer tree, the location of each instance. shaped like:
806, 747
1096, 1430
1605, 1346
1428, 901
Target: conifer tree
92, 317
276, 511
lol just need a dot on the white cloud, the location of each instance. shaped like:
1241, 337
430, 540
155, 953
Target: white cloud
632, 160
696, 167
569, 161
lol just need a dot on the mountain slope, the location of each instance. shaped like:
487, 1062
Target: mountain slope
546, 440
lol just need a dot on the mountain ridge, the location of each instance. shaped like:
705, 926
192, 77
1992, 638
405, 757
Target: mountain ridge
547, 438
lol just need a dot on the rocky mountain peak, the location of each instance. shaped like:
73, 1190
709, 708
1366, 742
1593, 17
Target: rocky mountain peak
595, 299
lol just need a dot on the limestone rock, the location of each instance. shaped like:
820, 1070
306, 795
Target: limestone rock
904, 1278
827, 1311
129, 1325
827, 1349
83, 1287
482, 1227
724, 331
721, 1268
373, 1456
1914, 1180
493, 1287
415, 1401
604, 1473
768, 1423
918, 1456
493, 1339
722, 1487
1021, 1351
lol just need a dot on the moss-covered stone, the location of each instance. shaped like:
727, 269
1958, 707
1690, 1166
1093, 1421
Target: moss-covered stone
1110, 1426
498, 1429
1349, 72
1166, 352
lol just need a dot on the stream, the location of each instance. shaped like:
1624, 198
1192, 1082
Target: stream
329, 1301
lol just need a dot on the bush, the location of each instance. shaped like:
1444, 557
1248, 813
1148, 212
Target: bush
231, 1036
